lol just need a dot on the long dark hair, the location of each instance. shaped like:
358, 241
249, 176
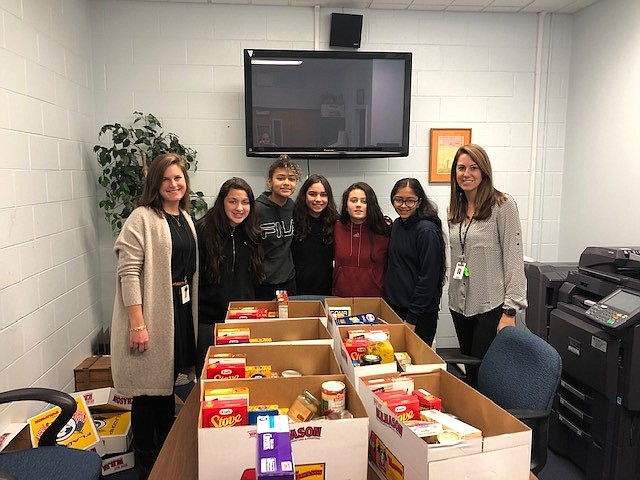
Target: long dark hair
301, 217
375, 219
214, 231
487, 195
153, 181
426, 210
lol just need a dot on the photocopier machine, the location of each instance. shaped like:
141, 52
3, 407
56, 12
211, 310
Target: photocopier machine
590, 313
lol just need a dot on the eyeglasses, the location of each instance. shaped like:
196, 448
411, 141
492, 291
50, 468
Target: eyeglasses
409, 202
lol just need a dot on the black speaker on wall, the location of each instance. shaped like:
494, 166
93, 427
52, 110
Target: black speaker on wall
345, 30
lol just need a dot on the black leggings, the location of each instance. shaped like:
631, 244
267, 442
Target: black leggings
151, 420
475, 335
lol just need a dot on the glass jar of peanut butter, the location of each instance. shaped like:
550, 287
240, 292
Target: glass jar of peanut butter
304, 407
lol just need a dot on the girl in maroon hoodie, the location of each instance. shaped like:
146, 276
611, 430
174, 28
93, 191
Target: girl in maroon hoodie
361, 239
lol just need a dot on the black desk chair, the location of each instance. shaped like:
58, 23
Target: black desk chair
520, 372
49, 461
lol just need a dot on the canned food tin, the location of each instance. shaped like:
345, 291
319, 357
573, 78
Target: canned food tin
370, 359
333, 397
291, 373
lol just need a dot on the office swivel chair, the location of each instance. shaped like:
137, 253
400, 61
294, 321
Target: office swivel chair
520, 372
49, 461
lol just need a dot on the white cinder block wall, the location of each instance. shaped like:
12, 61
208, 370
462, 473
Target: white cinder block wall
49, 274
183, 62
62, 61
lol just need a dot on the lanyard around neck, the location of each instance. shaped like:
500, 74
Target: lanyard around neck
463, 241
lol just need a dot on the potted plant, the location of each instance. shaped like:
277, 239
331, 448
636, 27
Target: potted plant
126, 160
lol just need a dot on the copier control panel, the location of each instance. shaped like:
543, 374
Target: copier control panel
621, 308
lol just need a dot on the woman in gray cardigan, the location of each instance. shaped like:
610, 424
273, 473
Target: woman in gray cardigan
153, 331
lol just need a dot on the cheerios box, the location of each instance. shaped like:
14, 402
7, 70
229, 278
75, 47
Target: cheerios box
403, 339
80, 432
327, 449
350, 306
503, 450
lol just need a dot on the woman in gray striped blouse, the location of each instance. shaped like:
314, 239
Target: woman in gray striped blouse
487, 285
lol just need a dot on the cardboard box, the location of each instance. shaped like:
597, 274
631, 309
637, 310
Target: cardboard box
10, 431
106, 400
80, 432
336, 448
359, 305
118, 463
503, 451
306, 359
297, 309
93, 372
424, 358
308, 331
114, 429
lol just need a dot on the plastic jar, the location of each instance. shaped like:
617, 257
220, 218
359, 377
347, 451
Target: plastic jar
304, 407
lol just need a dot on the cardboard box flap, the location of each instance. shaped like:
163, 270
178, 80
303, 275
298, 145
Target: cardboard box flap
106, 399
289, 330
283, 391
359, 305
306, 359
297, 308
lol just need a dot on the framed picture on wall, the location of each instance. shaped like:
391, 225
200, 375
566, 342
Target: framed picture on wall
444, 144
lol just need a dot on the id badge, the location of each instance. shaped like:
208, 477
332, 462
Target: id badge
458, 273
184, 292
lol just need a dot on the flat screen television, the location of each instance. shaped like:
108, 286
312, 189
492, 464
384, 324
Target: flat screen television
325, 104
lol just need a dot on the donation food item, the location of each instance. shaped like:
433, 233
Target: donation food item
449, 423
304, 407
275, 457
224, 413
282, 297
403, 405
261, 410
258, 371
380, 345
226, 365
248, 313
387, 384
333, 397
227, 336
427, 400
403, 359
370, 359
361, 319
290, 373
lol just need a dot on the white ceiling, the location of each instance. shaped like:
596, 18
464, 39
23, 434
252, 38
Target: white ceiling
508, 6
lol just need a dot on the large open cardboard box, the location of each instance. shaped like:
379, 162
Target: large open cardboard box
503, 453
359, 305
297, 309
306, 331
306, 359
322, 449
403, 339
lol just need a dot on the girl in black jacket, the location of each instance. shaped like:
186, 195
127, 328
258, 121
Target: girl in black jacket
230, 257
416, 259
314, 216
